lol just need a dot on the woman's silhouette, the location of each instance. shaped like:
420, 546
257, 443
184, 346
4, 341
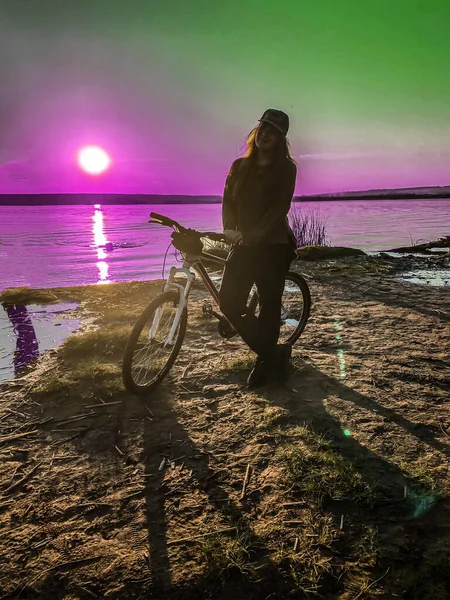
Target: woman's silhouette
257, 198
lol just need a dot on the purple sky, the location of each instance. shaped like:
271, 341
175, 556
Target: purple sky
170, 89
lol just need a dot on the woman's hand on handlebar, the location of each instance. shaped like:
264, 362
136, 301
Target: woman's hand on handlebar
233, 237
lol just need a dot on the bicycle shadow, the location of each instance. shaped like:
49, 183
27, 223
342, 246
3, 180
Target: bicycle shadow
165, 437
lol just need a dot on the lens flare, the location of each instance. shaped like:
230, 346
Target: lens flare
93, 160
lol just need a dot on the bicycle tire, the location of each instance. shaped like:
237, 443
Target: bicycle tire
306, 295
127, 374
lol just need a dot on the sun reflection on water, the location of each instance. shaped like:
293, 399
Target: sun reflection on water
99, 242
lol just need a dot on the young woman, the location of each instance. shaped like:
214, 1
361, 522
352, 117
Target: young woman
256, 200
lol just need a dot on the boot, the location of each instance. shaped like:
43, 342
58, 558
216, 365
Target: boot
282, 363
258, 375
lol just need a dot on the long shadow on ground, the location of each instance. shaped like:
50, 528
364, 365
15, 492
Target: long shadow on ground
411, 520
166, 438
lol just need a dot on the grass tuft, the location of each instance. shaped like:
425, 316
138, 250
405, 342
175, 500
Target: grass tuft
308, 226
223, 555
243, 362
320, 475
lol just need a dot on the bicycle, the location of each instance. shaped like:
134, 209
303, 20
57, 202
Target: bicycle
162, 326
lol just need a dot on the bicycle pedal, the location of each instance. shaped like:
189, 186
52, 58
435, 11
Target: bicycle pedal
207, 310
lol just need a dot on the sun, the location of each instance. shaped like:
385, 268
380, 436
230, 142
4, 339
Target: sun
93, 160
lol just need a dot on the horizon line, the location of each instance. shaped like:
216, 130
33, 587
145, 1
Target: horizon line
146, 194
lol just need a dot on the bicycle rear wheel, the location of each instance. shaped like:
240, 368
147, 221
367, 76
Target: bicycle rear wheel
154, 344
295, 307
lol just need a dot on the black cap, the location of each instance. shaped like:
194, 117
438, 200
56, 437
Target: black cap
277, 118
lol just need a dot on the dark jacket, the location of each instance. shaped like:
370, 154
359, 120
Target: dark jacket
258, 205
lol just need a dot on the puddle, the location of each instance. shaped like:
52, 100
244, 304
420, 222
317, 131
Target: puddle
27, 332
432, 277
433, 269
443, 250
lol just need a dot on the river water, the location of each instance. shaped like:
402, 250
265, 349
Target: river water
49, 246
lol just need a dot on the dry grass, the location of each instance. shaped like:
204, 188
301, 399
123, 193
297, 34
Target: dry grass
318, 474
308, 226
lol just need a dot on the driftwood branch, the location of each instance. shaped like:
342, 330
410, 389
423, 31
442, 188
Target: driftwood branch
443, 242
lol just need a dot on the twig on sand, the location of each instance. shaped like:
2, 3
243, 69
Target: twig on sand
23, 479
51, 462
67, 439
13, 475
16, 436
88, 592
370, 585
198, 537
16, 412
41, 421
93, 503
185, 370
443, 430
104, 404
119, 450
296, 544
77, 418
63, 430
187, 391
134, 495
246, 480
289, 504
66, 457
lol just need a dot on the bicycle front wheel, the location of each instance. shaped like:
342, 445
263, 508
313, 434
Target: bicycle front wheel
154, 344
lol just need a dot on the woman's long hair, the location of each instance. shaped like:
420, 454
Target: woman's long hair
282, 156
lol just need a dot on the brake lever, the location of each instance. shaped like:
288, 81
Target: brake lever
153, 221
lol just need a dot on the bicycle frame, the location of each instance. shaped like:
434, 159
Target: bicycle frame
190, 262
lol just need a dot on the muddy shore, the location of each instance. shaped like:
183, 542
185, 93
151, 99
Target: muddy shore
105, 495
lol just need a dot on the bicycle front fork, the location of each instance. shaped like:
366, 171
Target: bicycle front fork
183, 292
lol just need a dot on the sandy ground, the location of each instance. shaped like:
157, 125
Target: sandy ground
109, 496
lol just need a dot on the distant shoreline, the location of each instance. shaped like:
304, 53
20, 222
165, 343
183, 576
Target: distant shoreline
121, 199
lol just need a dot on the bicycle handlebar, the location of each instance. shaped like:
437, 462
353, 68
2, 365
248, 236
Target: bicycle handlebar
168, 222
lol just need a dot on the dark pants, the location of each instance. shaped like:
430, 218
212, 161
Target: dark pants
265, 266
